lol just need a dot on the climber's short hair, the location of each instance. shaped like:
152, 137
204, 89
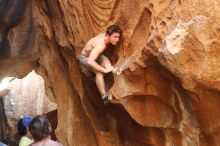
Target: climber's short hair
113, 28
40, 127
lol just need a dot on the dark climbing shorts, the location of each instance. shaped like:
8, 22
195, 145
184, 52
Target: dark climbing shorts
83, 60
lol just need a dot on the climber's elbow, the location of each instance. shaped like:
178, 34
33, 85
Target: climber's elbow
90, 62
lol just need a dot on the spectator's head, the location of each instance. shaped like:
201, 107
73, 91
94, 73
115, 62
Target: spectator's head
40, 127
23, 125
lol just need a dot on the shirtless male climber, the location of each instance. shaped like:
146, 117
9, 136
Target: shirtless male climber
92, 57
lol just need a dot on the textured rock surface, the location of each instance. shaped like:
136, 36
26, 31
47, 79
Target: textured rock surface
3, 121
26, 96
23, 97
168, 92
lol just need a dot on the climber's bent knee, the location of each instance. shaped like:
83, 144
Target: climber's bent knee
102, 60
105, 62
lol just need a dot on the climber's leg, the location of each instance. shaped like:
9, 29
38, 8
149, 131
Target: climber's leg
84, 67
104, 62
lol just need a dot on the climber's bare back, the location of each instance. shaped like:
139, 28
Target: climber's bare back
97, 42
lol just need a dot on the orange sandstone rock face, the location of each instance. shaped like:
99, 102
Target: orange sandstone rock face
168, 91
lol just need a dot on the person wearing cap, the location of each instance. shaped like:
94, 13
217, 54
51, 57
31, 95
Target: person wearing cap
23, 129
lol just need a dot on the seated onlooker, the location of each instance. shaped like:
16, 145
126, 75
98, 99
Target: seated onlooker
40, 129
23, 130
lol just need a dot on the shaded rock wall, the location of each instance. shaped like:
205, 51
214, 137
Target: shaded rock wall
3, 121
168, 91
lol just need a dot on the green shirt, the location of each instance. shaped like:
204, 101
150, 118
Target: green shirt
25, 141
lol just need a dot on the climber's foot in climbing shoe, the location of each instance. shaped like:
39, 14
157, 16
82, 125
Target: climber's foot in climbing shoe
105, 99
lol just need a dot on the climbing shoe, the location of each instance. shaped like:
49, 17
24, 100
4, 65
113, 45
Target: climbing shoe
105, 98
